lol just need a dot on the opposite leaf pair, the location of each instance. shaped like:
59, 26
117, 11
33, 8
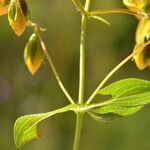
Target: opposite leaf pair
18, 14
128, 97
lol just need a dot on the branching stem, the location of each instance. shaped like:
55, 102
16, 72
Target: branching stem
135, 51
82, 53
115, 11
79, 117
55, 72
79, 122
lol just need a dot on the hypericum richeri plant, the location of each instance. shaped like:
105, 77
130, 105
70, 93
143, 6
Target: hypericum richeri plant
128, 96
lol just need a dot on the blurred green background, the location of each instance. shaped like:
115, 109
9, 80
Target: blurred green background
21, 93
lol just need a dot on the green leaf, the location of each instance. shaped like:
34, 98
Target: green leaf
100, 19
128, 97
126, 87
25, 128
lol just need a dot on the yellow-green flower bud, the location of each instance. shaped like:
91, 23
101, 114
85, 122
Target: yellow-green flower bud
143, 29
135, 5
33, 53
147, 7
18, 15
142, 58
138, 5
4, 7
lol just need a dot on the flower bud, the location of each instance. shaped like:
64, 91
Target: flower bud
142, 58
134, 5
147, 7
143, 29
138, 5
4, 7
18, 15
33, 53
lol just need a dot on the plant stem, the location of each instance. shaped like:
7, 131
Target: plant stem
114, 11
79, 5
79, 117
135, 51
55, 72
108, 77
82, 53
79, 122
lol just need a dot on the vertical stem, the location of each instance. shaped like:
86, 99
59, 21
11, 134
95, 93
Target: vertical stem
82, 53
79, 119
79, 122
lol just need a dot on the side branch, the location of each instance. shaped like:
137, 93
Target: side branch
55, 71
79, 6
137, 49
115, 11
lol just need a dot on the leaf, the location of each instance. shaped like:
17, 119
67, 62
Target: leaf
100, 19
25, 128
128, 97
18, 15
126, 87
33, 53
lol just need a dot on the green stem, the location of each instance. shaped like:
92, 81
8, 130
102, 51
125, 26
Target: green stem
114, 11
79, 122
55, 72
82, 53
108, 77
79, 6
136, 50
